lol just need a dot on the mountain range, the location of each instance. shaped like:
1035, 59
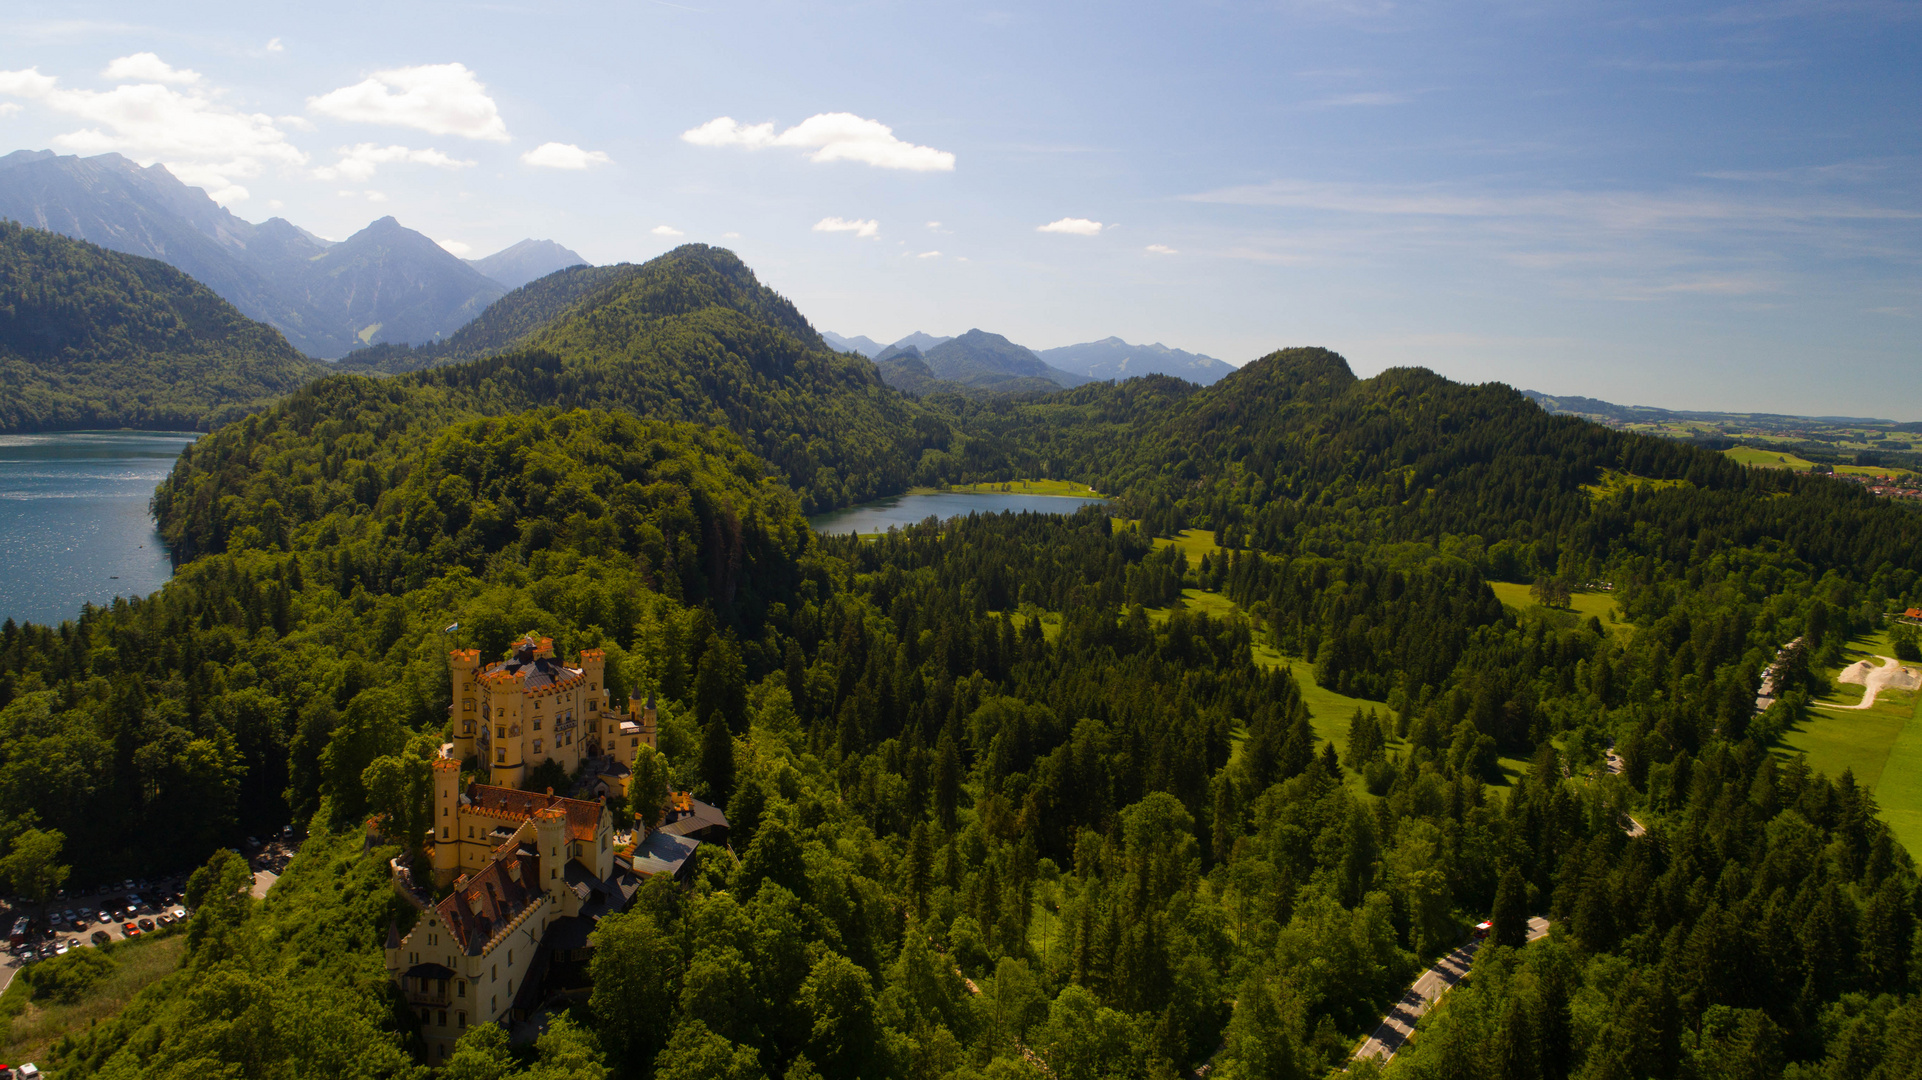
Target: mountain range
385, 283
983, 366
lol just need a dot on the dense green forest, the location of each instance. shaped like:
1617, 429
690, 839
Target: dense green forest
689, 336
91, 338
1002, 805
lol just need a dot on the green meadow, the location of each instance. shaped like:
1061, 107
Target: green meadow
1882, 744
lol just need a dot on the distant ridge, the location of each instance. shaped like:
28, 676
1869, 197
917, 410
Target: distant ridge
859, 343
515, 266
1596, 409
1113, 358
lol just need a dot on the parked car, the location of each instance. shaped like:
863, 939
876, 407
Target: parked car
147, 925
130, 929
101, 916
101, 937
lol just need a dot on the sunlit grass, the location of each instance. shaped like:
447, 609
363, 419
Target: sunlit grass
35, 1028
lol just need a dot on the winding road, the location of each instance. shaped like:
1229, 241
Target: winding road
1888, 676
1399, 1024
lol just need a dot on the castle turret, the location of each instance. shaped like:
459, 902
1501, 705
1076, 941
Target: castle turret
446, 819
504, 697
464, 710
593, 665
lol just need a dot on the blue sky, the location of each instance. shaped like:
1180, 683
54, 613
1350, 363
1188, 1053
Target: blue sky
1687, 205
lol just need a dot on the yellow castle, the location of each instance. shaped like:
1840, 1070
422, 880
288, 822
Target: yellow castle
524, 866
514, 714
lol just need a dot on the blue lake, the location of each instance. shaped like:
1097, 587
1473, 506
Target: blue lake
74, 523
882, 514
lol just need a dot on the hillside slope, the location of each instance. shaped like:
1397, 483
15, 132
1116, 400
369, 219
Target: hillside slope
505, 323
691, 335
92, 338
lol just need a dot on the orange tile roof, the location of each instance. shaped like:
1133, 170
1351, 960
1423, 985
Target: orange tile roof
583, 818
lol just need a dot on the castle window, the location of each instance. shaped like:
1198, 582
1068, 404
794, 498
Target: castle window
537, 746
537, 723
443, 832
443, 1018
460, 990
470, 832
462, 1018
500, 731
467, 706
500, 756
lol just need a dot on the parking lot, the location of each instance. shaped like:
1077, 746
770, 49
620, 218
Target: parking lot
91, 917
84, 918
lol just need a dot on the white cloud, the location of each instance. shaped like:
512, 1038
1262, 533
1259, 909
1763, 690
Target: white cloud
455, 247
929, 255
725, 131
934, 225
147, 67
376, 196
1073, 226
730, 236
8, 108
444, 99
863, 229
201, 141
298, 123
275, 204
274, 45
832, 136
666, 230
559, 155
1161, 249
359, 162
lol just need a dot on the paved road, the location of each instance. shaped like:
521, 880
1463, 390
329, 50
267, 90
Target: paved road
1399, 1024
264, 880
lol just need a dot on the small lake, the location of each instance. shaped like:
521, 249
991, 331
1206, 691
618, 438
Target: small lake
883, 514
74, 523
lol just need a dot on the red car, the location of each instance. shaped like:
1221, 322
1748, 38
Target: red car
129, 929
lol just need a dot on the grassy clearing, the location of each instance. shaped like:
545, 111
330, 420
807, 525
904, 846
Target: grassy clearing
1599, 604
1882, 744
1067, 488
1193, 542
34, 1028
1859, 740
1782, 459
1768, 459
1614, 482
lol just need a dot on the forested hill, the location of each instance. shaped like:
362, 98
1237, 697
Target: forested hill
91, 338
688, 336
1294, 454
505, 323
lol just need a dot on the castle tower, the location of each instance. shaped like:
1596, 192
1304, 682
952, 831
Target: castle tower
593, 666
463, 713
447, 823
550, 828
504, 699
